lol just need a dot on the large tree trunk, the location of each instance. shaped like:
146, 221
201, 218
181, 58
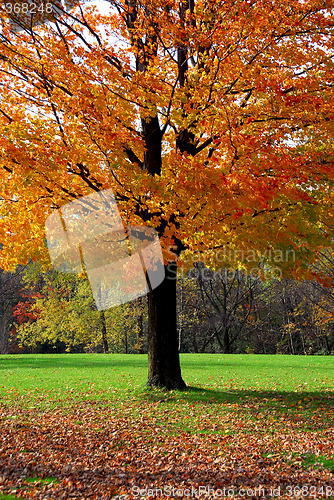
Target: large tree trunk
163, 354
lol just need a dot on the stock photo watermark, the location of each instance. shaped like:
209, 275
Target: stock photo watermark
293, 491
123, 262
30, 13
226, 263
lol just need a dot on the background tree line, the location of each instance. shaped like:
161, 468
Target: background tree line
228, 312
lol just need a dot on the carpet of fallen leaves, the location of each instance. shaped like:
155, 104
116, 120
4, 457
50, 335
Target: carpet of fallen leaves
95, 450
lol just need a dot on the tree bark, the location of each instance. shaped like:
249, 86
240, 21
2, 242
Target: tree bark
141, 334
227, 344
163, 354
104, 332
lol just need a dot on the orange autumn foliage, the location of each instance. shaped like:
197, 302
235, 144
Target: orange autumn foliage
211, 121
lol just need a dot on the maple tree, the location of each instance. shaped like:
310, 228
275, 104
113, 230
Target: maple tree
211, 121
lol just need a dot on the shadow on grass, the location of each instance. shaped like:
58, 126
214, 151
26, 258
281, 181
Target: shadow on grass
188, 361
237, 396
314, 410
47, 361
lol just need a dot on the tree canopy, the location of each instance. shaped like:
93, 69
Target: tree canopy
212, 121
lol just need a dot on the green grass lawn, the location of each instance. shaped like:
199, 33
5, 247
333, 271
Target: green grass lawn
291, 384
282, 405
119, 375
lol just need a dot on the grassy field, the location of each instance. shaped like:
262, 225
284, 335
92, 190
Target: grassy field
48, 380
110, 375
250, 413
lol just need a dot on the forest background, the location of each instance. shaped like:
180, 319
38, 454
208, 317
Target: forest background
229, 311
